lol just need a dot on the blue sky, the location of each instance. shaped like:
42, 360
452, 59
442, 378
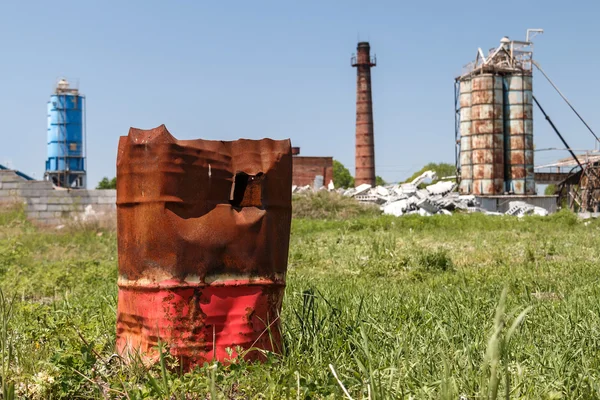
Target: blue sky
281, 69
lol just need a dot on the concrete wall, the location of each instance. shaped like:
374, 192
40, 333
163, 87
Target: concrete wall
305, 169
47, 205
501, 203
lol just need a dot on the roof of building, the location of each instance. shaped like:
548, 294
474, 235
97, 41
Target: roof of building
19, 173
569, 162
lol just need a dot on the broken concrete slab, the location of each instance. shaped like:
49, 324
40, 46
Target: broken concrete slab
425, 176
368, 198
382, 191
396, 208
427, 205
441, 188
361, 189
408, 188
519, 208
422, 194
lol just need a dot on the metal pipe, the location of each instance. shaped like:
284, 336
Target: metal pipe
558, 133
557, 149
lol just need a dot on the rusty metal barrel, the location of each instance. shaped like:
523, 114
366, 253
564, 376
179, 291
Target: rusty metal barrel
518, 110
466, 156
487, 136
203, 239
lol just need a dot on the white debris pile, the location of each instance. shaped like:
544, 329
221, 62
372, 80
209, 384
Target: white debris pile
439, 198
407, 198
301, 189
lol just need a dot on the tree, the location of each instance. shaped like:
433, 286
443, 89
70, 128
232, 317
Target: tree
379, 181
550, 190
107, 184
341, 175
441, 170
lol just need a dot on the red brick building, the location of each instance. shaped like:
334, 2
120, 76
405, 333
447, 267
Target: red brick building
306, 169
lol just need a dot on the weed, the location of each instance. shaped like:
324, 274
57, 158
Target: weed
6, 346
330, 205
437, 260
376, 307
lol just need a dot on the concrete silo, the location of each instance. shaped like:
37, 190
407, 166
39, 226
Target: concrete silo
65, 165
495, 127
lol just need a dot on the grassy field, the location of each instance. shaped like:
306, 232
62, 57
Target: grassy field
467, 306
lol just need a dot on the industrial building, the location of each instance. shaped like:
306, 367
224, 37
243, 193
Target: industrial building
312, 171
494, 135
577, 180
65, 165
495, 121
494, 125
61, 197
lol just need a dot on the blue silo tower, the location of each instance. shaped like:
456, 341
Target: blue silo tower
65, 165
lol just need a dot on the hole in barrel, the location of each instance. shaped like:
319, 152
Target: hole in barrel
246, 190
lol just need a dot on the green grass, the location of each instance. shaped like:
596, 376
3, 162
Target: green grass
439, 307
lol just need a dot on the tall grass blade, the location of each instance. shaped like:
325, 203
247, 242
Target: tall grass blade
163, 368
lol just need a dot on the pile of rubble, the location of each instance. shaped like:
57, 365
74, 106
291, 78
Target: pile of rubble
407, 198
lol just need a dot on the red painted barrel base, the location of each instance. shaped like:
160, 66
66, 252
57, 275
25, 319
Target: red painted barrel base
199, 322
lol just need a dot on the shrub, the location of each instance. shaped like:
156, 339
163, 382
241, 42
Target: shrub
330, 205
